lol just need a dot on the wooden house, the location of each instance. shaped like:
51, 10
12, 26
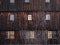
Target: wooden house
29, 22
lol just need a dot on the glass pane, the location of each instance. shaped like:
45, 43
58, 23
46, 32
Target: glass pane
54, 34
26, 0
11, 17
10, 34
29, 17
31, 34
12, 1
49, 34
47, 1
27, 35
47, 16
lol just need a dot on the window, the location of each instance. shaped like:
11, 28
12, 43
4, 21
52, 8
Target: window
52, 34
27, 35
47, 16
29, 17
26, 1
12, 17
10, 34
12, 1
0, 2
47, 1
49, 34
30, 35
5, 35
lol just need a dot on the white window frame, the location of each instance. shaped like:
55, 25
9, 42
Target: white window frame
27, 1
9, 33
12, 1
11, 17
29, 17
27, 35
30, 35
48, 17
47, 1
52, 34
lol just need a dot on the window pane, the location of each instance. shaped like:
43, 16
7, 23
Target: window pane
26, 0
29, 34
47, 1
49, 34
10, 34
47, 16
12, 1
5, 36
29, 17
11, 17
54, 34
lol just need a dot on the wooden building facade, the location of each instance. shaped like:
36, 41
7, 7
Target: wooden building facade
29, 22
30, 5
21, 22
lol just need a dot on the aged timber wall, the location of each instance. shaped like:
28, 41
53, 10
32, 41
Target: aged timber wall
21, 21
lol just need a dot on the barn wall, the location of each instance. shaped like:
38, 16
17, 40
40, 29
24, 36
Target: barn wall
21, 21
38, 9
20, 38
33, 5
40, 37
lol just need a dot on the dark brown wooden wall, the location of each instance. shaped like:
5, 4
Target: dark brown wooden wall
33, 5
38, 9
38, 21
20, 38
40, 37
